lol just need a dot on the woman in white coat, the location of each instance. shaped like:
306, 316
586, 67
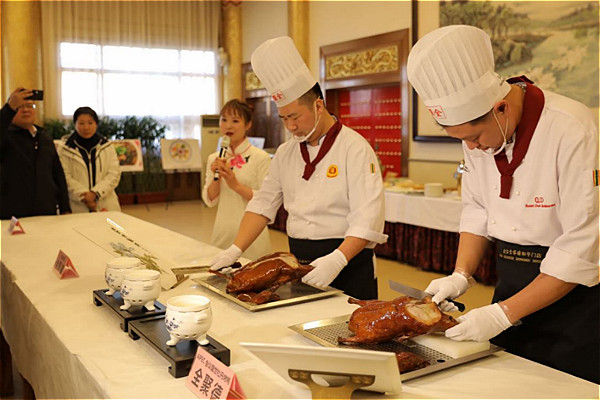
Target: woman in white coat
233, 178
91, 166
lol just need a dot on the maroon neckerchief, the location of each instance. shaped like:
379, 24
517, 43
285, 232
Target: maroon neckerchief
310, 166
533, 104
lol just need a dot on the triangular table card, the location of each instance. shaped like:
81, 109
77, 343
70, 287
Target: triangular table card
209, 378
63, 267
15, 228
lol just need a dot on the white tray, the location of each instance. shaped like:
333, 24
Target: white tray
290, 293
326, 331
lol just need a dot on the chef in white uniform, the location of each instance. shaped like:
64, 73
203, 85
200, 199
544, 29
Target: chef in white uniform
531, 156
326, 177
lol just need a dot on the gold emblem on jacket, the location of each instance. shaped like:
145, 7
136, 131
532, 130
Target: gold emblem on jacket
332, 171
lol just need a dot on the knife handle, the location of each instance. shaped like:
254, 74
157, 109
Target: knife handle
461, 307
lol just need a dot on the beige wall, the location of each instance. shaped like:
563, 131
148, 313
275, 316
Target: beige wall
262, 20
21, 49
333, 22
434, 171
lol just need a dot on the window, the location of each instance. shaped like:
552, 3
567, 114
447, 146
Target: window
173, 86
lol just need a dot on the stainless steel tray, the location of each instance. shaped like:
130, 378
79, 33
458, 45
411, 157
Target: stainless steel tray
290, 293
326, 332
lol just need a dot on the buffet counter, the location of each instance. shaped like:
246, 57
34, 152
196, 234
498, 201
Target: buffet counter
439, 213
66, 347
423, 231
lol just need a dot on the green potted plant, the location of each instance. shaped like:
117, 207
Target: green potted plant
150, 185
58, 128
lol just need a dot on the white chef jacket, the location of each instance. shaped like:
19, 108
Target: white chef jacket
343, 197
232, 205
553, 201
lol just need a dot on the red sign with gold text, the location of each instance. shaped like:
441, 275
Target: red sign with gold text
209, 378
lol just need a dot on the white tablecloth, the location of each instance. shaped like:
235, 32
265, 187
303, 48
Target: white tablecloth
441, 213
68, 348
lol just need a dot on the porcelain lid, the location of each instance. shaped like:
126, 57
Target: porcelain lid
189, 302
123, 263
141, 275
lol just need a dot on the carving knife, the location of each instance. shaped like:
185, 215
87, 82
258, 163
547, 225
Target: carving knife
419, 294
192, 269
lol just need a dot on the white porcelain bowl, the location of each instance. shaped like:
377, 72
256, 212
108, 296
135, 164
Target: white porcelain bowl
140, 288
113, 273
188, 317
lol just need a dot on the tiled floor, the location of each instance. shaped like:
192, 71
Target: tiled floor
194, 219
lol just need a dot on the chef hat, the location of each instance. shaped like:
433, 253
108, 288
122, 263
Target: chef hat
279, 66
452, 70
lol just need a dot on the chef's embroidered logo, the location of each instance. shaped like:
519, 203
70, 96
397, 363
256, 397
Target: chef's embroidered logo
539, 202
437, 112
278, 95
332, 171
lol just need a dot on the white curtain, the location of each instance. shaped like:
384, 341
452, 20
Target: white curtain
181, 25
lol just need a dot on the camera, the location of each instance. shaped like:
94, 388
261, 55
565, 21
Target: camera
37, 95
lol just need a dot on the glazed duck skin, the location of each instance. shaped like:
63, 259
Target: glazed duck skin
263, 297
266, 273
378, 321
409, 362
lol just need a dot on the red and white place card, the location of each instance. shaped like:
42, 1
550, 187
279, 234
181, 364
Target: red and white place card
63, 267
15, 228
209, 378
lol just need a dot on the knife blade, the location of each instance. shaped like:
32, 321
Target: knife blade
418, 294
192, 269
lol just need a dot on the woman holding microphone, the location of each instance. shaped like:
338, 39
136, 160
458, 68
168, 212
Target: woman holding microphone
235, 173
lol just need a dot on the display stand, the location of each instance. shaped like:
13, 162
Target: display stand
331, 392
170, 185
341, 371
181, 356
135, 312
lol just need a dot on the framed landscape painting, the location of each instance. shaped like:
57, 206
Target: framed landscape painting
553, 43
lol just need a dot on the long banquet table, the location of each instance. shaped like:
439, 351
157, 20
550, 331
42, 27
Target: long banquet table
66, 347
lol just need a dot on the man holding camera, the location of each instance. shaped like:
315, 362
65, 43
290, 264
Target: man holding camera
32, 178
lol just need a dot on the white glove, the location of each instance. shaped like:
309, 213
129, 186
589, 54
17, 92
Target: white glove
326, 269
225, 259
447, 306
480, 324
448, 287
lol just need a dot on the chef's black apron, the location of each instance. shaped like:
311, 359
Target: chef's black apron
565, 334
357, 279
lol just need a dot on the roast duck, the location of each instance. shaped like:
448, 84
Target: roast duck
405, 317
256, 282
378, 321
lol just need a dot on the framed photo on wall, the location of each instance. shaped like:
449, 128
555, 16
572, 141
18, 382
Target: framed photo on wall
553, 43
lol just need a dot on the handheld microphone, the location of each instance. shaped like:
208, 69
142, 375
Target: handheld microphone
224, 145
